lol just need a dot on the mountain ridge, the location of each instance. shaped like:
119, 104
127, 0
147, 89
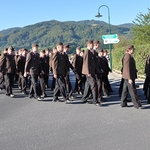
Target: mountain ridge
48, 33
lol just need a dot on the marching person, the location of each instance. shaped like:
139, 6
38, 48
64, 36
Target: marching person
77, 62
96, 45
32, 68
8, 68
47, 59
59, 67
2, 81
89, 67
54, 50
146, 87
69, 65
129, 74
43, 75
20, 64
106, 88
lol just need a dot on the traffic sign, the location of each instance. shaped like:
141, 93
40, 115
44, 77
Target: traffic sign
110, 36
111, 41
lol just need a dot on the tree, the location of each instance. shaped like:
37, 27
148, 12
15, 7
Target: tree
141, 30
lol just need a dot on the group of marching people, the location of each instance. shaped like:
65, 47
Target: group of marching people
31, 69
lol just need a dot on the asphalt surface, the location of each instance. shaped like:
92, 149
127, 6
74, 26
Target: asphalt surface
28, 124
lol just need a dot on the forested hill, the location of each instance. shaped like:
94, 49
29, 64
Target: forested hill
48, 33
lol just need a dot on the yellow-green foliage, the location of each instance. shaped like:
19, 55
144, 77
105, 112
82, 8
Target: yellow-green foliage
140, 55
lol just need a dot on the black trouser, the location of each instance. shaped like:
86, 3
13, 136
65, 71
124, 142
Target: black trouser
78, 84
1, 80
121, 87
42, 85
23, 81
60, 87
99, 85
92, 84
19, 81
68, 85
146, 85
34, 85
132, 91
9, 77
46, 78
104, 85
53, 83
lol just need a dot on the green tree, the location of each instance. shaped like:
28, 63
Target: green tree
141, 30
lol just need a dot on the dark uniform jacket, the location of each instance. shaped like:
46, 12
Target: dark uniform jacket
129, 67
7, 63
104, 65
47, 66
147, 66
68, 64
89, 65
32, 64
97, 62
77, 62
43, 64
20, 64
59, 65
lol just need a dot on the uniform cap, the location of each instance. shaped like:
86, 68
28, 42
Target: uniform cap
66, 46
89, 42
11, 48
130, 47
35, 45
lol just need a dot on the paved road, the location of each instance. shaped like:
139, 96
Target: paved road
27, 124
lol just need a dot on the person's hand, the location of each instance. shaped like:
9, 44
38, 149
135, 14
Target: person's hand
55, 76
89, 75
42, 72
130, 81
25, 74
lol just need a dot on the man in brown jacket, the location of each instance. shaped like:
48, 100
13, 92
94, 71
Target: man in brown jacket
77, 62
59, 67
129, 74
8, 68
89, 68
32, 68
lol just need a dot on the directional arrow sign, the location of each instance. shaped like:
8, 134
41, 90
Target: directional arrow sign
111, 41
110, 36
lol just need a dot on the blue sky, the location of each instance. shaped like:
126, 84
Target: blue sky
19, 13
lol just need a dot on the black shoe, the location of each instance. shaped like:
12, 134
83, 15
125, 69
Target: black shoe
83, 101
24, 92
45, 95
12, 95
80, 93
106, 96
7, 94
68, 101
124, 105
30, 96
72, 97
57, 100
42, 96
39, 98
102, 99
98, 104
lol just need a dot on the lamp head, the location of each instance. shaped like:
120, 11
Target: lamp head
98, 15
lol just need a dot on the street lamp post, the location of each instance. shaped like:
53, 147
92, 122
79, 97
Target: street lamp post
99, 15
